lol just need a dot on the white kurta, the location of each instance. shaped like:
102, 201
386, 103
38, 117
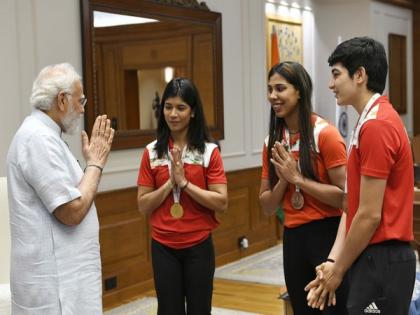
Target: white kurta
55, 269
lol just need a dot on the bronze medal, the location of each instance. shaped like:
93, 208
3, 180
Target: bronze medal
297, 200
177, 211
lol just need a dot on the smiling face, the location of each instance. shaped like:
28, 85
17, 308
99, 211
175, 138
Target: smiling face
343, 86
177, 114
283, 97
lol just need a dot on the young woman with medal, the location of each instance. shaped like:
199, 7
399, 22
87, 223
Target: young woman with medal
303, 171
181, 185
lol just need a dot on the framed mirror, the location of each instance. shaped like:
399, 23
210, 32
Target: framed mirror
132, 48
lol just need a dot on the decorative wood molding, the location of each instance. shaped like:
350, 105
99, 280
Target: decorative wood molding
186, 12
416, 68
409, 4
397, 55
191, 4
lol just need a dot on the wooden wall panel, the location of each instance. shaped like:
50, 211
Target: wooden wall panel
259, 219
125, 235
117, 63
409, 4
415, 6
170, 51
124, 239
234, 218
416, 68
131, 101
108, 65
416, 219
397, 55
202, 75
416, 223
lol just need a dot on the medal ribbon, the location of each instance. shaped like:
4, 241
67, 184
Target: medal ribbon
354, 138
294, 148
286, 137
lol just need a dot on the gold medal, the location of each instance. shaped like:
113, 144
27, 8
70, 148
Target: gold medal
177, 211
297, 200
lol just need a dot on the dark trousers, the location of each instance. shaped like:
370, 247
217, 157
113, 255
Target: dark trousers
184, 277
382, 279
304, 248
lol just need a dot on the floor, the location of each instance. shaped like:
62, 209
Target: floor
250, 297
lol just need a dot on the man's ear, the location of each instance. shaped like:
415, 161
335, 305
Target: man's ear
61, 100
361, 75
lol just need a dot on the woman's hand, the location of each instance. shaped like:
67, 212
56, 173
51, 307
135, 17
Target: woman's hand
274, 157
285, 164
177, 176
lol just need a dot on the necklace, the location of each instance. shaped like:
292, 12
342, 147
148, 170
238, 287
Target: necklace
176, 210
297, 200
354, 138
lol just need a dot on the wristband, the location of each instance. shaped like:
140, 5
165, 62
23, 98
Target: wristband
185, 186
94, 165
330, 260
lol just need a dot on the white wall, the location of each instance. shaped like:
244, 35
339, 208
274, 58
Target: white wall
244, 87
335, 19
10, 112
34, 33
347, 19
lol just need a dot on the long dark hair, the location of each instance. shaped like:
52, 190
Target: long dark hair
198, 133
296, 75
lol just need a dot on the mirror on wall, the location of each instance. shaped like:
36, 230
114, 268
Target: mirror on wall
132, 48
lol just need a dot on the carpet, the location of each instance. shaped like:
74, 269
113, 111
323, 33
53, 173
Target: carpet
148, 306
265, 267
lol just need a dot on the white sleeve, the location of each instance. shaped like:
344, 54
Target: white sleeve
46, 169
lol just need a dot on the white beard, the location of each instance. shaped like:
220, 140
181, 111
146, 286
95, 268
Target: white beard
71, 122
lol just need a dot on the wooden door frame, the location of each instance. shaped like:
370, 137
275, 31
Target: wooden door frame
414, 5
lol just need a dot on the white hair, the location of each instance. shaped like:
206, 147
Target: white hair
50, 81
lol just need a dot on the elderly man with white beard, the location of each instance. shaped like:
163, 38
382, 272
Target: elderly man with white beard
55, 259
